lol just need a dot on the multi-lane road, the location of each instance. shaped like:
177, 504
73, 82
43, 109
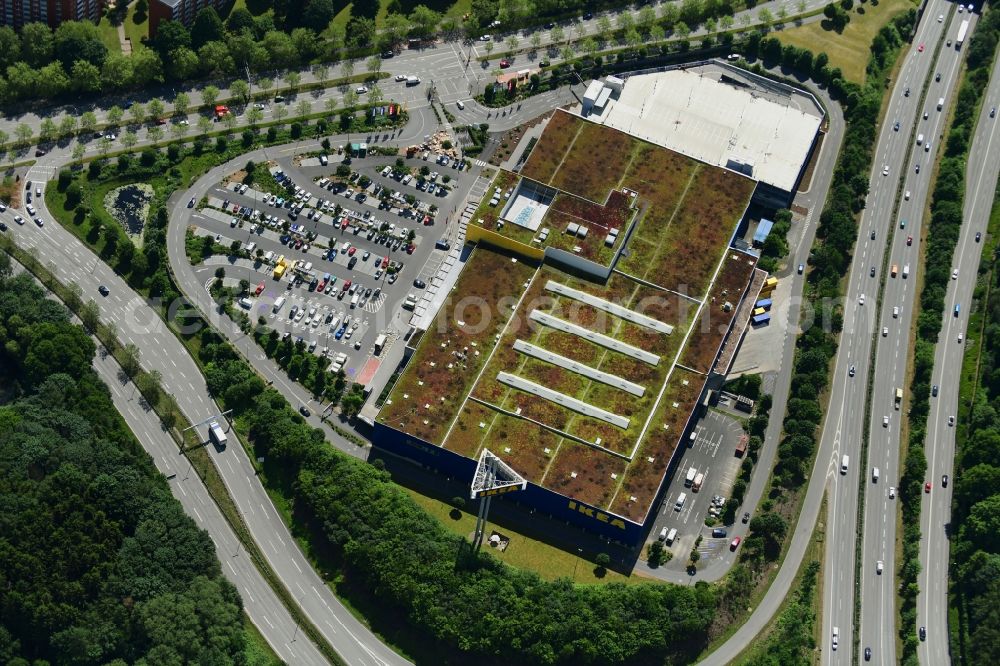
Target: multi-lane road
920, 140
981, 172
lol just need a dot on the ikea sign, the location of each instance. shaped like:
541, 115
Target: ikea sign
597, 515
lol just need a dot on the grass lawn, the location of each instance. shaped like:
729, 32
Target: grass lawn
850, 50
547, 561
109, 35
258, 652
134, 30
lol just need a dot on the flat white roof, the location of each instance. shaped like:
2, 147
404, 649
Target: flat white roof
593, 90
575, 366
567, 401
696, 114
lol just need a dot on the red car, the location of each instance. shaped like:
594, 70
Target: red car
344, 223
385, 262
735, 543
260, 288
350, 252
346, 285
921, 47
909, 240
410, 248
504, 63
161, 121
927, 487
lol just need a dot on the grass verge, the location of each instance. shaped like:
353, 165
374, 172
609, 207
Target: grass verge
851, 49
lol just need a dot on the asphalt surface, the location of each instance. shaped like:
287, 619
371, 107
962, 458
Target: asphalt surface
935, 515
138, 323
877, 629
842, 433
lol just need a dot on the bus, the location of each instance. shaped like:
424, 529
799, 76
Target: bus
379, 343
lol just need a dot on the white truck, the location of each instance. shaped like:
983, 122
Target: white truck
412, 80
217, 434
963, 31
691, 474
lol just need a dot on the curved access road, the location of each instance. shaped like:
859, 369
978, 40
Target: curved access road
138, 323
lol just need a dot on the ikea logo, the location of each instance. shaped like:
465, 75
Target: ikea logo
599, 516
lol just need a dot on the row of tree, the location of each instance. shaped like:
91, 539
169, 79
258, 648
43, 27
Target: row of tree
976, 510
99, 562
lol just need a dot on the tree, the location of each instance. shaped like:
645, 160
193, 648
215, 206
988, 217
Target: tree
425, 21
374, 64
181, 104
347, 69
86, 77
204, 125
488, 47
603, 27
557, 34
138, 112
292, 78
129, 359
79, 150
240, 89
647, 17
170, 36
88, 121
209, 95
155, 108
303, 108
115, 114
36, 44
207, 27
254, 115
154, 133
129, 139
318, 15
23, 132
513, 42
67, 126
536, 40
265, 84
279, 112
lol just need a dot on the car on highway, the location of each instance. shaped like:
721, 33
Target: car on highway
873, 234
304, 410
878, 567
868, 654
885, 170
954, 274
861, 299
916, 167
850, 371
940, 17
906, 195
944, 480
885, 331
895, 126
735, 544
801, 268
927, 487
923, 633
951, 420
909, 240
892, 492
934, 390
920, 48
746, 517
885, 421
906, 93
872, 272
937, 77
191, 203
979, 236
104, 291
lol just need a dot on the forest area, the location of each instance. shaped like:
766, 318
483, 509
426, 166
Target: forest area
98, 562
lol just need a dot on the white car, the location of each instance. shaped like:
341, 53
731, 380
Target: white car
885, 331
400, 77
361, 90
954, 274
878, 567
885, 421
861, 300
892, 492
885, 170
940, 18
907, 195
486, 38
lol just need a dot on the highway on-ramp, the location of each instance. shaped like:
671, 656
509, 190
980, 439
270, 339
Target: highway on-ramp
981, 173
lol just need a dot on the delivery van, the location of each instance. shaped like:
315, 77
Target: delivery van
845, 461
679, 504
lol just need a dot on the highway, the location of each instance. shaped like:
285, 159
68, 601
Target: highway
923, 139
982, 169
138, 323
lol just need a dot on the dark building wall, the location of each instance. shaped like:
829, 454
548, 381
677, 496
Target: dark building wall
560, 507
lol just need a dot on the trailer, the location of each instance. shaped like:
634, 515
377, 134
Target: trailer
379, 343
764, 303
762, 319
963, 31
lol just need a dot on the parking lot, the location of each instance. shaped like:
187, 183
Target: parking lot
712, 455
337, 261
